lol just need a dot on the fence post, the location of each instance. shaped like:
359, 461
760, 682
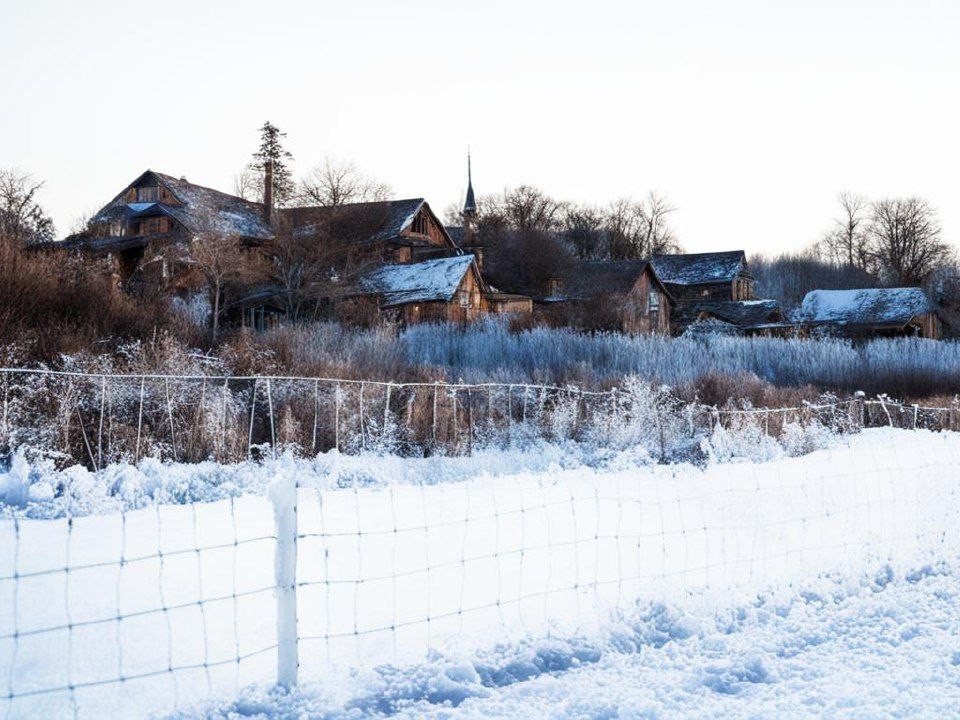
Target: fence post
858, 410
283, 494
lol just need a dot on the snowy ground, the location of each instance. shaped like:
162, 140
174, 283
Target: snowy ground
157, 608
880, 647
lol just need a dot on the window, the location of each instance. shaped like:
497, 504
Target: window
147, 194
464, 298
420, 225
653, 301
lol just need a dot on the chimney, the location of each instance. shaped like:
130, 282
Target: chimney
268, 192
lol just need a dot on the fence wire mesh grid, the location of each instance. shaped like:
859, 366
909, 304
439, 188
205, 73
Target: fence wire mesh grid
155, 609
97, 420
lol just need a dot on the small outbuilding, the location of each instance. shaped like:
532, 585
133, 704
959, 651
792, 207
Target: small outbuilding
883, 312
443, 289
749, 317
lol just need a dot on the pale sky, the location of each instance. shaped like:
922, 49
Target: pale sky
750, 115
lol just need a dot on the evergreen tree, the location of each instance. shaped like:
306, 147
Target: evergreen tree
271, 148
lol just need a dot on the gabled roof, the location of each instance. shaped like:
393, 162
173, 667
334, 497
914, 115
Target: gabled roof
201, 208
876, 306
428, 281
744, 314
700, 268
592, 278
456, 233
384, 220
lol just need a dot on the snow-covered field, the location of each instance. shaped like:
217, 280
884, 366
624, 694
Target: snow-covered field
542, 589
885, 646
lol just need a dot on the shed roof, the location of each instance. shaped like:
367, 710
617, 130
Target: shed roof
868, 306
700, 268
427, 281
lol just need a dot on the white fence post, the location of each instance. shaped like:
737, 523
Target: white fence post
283, 494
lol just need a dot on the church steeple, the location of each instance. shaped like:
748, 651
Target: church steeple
470, 204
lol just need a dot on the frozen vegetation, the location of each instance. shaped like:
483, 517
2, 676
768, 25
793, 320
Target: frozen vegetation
910, 366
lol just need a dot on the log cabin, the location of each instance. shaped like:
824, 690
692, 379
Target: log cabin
876, 312
621, 295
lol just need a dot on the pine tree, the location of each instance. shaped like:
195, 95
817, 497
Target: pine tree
271, 148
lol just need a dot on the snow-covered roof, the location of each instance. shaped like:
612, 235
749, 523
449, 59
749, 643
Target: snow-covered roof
875, 306
700, 268
431, 280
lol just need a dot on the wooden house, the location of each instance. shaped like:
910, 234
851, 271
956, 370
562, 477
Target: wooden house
133, 231
876, 312
623, 295
131, 239
705, 276
442, 289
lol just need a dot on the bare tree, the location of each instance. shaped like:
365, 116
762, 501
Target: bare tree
583, 227
248, 184
339, 182
314, 267
658, 235
847, 242
905, 240
523, 208
221, 260
21, 216
639, 229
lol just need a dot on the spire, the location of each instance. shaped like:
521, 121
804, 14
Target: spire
470, 205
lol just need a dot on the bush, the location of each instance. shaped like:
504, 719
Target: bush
52, 304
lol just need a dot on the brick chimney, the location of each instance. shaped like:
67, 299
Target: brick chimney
268, 192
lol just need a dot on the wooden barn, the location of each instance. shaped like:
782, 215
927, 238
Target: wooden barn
875, 312
705, 276
624, 295
443, 289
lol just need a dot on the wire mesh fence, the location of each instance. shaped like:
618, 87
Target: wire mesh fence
155, 609
152, 610
101, 419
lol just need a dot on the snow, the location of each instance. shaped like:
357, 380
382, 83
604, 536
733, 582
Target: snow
872, 646
571, 590
426, 281
699, 268
867, 306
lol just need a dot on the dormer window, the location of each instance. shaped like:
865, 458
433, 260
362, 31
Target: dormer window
149, 194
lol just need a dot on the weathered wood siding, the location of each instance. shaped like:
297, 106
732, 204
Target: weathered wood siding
638, 317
